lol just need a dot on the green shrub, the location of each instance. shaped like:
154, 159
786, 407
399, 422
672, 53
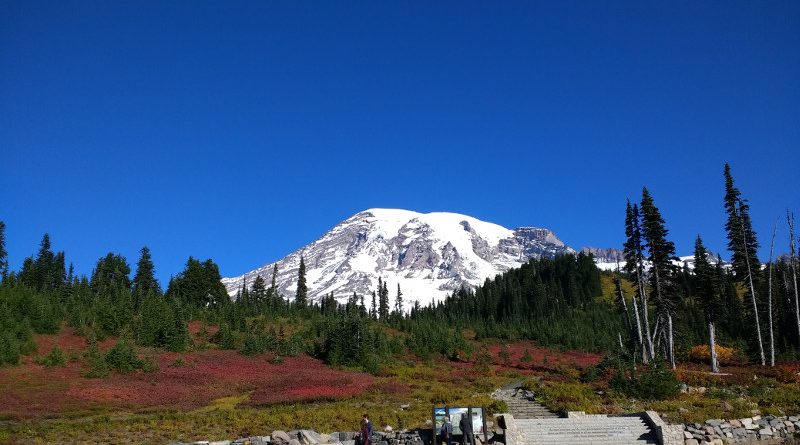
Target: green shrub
497, 407
651, 383
56, 357
122, 357
95, 362
224, 337
149, 364
9, 349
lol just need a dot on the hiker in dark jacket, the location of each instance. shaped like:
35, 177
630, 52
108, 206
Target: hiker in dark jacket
447, 431
466, 429
366, 430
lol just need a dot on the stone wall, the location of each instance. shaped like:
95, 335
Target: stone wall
665, 434
513, 434
756, 429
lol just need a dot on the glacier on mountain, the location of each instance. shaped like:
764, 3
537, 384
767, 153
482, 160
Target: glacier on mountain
429, 255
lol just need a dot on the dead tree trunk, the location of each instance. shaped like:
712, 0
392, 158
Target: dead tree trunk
639, 330
622, 301
752, 291
712, 347
792, 263
668, 342
769, 301
671, 342
645, 316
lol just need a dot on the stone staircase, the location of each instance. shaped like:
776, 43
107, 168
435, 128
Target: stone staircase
522, 407
536, 425
594, 430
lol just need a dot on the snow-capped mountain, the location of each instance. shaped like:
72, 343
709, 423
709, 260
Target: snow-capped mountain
608, 261
428, 254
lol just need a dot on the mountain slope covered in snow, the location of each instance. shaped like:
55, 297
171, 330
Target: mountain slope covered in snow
428, 254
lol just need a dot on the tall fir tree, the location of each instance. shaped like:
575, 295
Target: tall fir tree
273, 286
144, 281
301, 296
199, 284
399, 301
42, 273
662, 270
707, 294
383, 300
742, 240
111, 273
633, 252
743, 246
258, 293
3, 252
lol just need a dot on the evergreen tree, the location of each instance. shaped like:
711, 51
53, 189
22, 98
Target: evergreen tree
662, 274
706, 292
273, 287
399, 301
110, 275
144, 281
301, 296
373, 312
383, 300
199, 284
43, 265
742, 241
258, 293
743, 246
633, 251
3, 252
45, 272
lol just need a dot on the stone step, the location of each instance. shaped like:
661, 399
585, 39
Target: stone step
594, 430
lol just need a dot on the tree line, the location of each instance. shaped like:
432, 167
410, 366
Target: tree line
711, 299
659, 309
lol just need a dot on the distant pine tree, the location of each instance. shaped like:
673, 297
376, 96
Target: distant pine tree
742, 241
301, 296
144, 281
3, 252
273, 287
662, 273
199, 284
633, 252
743, 246
111, 273
707, 294
383, 300
399, 301
258, 293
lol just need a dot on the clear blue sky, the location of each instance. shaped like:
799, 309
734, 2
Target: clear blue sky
241, 131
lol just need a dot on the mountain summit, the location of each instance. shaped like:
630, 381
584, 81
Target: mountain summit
428, 254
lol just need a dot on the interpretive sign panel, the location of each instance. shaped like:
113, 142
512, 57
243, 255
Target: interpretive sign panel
456, 413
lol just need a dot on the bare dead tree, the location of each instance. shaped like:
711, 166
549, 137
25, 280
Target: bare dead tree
793, 265
752, 287
636, 316
769, 301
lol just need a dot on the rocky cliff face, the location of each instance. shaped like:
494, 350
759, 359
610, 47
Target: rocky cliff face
428, 255
605, 254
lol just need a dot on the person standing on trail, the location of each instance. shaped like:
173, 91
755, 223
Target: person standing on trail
466, 429
366, 430
447, 431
